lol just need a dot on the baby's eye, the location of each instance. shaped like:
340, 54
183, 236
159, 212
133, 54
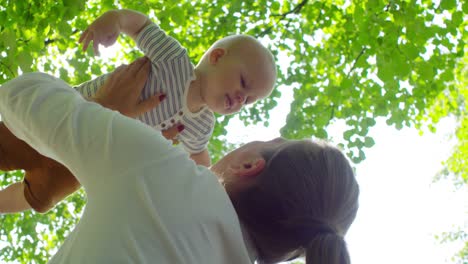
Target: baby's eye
242, 82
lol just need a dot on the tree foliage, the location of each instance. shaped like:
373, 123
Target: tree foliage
456, 166
461, 257
346, 60
454, 103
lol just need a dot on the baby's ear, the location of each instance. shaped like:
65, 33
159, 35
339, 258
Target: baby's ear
216, 54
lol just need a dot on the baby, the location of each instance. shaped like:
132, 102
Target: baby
235, 71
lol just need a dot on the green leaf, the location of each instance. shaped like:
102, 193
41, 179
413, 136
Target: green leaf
385, 74
275, 6
402, 67
348, 134
369, 142
410, 51
457, 18
9, 38
448, 4
426, 72
177, 16
25, 61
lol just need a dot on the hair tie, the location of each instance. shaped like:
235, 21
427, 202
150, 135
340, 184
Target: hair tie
326, 229
306, 229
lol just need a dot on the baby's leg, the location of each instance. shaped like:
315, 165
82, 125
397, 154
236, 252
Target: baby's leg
12, 199
46, 181
47, 186
15, 154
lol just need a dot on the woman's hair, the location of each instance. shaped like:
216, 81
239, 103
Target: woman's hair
302, 204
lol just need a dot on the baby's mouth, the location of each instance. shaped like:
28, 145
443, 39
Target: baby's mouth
227, 102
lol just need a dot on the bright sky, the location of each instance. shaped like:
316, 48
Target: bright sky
401, 209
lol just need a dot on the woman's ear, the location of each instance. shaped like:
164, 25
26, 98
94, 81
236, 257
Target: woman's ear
216, 54
251, 168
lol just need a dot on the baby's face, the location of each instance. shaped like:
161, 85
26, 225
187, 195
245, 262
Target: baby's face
238, 79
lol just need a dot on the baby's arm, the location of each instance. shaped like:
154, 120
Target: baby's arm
202, 158
106, 28
197, 149
12, 199
132, 22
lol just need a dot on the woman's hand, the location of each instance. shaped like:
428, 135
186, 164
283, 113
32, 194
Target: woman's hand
122, 90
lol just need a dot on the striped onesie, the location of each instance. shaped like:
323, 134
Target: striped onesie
171, 74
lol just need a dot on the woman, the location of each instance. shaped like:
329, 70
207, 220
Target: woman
149, 203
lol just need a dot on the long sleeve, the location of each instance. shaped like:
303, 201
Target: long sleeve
93, 142
157, 45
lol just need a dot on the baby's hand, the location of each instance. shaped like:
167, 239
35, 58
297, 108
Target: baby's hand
172, 132
103, 30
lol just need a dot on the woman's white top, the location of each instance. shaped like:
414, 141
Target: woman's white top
147, 201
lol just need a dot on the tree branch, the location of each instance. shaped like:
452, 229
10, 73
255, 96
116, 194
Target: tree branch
8, 68
297, 9
355, 61
50, 41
